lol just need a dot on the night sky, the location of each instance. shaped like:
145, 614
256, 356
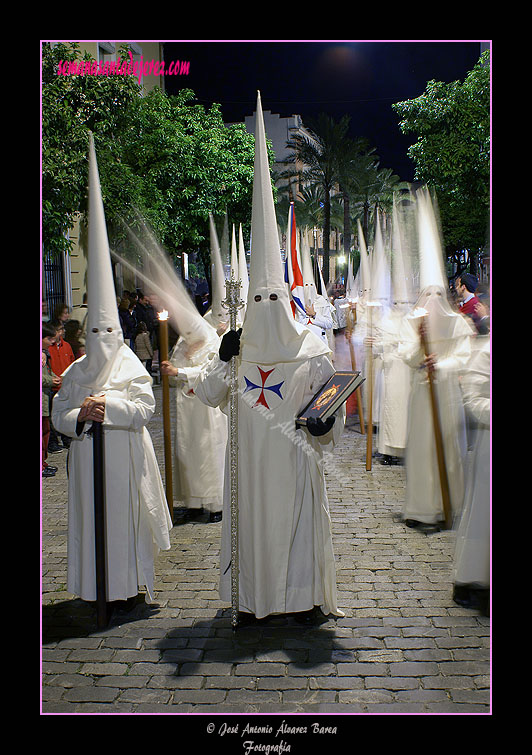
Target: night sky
359, 78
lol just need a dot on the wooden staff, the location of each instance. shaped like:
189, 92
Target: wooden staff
351, 320
369, 362
102, 613
438, 437
163, 357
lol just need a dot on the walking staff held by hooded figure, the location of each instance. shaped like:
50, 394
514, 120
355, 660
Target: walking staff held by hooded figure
109, 385
436, 440
285, 551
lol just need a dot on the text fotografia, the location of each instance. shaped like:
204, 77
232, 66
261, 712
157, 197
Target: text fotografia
251, 746
123, 67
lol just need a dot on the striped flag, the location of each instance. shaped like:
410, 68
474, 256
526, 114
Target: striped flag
294, 273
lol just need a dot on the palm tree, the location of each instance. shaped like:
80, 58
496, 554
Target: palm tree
318, 152
373, 188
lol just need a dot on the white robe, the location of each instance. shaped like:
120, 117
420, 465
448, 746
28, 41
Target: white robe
286, 555
361, 332
322, 322
137, 518
472, 550
200, 434
423, 491
395, 386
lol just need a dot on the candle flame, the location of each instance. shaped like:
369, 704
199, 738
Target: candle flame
163, 315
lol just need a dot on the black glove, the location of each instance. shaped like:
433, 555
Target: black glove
317, 426
230, 345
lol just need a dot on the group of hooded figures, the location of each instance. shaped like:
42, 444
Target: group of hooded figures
286, 560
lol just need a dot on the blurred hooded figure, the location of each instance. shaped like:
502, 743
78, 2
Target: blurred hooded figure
318, 317
449, 338
396, 374
471, 573
286, 557
109, 384
200, 432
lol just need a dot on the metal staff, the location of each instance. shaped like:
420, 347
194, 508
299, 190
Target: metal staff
438, 437
233, 303
99, 523
163, 357
369, 360
351, 320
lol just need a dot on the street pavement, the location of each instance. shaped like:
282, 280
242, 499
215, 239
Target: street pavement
403, 647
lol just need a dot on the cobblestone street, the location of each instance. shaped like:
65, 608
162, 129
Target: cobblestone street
403, 647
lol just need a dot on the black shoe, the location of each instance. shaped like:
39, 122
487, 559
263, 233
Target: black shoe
192, 514
49, 472
470, 596
246, 619
215, 516
55, 448
310, 618
124, 606
423, 526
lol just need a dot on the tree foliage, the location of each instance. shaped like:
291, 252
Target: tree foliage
164, 156
452, 152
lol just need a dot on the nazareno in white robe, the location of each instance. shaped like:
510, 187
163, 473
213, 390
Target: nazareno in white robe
396, 378
137, 518
286, 556
200, 433
472, 549
450, 340
322, 323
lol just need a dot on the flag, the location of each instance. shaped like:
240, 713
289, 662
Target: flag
294, 272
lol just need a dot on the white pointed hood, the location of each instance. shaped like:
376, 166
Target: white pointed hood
161, 280
217, 314
380, 270
364, 268
309, 285
234, 255
431, 271
270, 335
432, 300
350, 290
104, 341
242, 266
401, 292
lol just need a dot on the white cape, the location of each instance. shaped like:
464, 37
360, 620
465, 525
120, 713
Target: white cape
200, 433
472, 552
423, 490
286, 556
137, 518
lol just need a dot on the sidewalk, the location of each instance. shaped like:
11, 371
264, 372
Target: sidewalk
403, 647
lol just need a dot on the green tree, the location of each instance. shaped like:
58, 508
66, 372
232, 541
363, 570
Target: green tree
452, 154
71, 106
165, 157
190, 164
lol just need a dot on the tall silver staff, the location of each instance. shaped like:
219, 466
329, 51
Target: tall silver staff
233, 303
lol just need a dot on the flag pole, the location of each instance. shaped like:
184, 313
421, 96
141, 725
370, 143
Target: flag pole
233, 304
438, 437
369, 360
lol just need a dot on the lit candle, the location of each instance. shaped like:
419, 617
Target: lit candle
163, 357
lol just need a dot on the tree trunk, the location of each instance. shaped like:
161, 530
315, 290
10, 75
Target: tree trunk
347, 226
326, 235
